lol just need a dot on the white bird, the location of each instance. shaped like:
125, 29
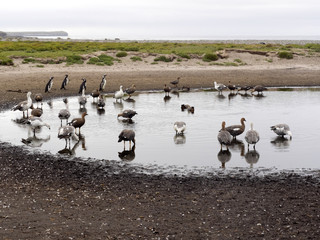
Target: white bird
67, 132
252, 137
119, 94
24, 106
282, 130
219, 87
36, 122
82, 99
64, 114
179, 127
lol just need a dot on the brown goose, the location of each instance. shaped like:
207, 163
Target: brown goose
38, 99
236, 130
175, 82
259, 89
127, 135
130, 90
78, 122
232, 87
95, 94
224, 137
188, 107
166, 89
128, 113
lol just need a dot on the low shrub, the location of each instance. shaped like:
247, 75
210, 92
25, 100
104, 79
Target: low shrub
135, 58
163, 59
74, 59
209, 57
6, 62
285, 54
101, 60
184, 55
121, 54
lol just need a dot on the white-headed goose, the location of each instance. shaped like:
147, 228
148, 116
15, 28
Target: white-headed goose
127, 135
64, 114
179, 127
219, 87
224, 137
236, 130
119, 94
24, 106
282, 130
252, 137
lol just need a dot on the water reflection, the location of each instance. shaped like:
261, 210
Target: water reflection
127, 155
179, 139
252, 157
224, 156
67, 150
281, 142
126, 121
34, 141
166, 98
245, 95
101, 111
221, 97
237, 146
82, 110
118, 105
231, 96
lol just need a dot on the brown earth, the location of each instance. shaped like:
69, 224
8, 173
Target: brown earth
49, 197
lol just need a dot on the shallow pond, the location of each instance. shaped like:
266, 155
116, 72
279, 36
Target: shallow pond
156, 142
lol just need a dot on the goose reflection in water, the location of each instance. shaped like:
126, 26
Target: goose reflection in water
245, 95
281, 142
126, 121
221, 97
166, 98
67, 150
34, 141
252, 157
101, 111
127, 155
237, 145
118, 105
231, 95
224, 156
82, 110
179, 139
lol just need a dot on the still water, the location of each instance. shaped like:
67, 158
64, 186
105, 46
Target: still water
157, 144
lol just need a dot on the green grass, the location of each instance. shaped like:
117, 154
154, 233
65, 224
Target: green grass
285, 54
102, 60
163, 59
209, 57
122, 54
135, 58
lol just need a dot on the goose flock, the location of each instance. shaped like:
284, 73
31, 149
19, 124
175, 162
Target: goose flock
68, 131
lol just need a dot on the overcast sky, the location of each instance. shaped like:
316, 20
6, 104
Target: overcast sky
164, 19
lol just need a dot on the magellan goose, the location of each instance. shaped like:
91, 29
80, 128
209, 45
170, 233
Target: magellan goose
175, 82
179, 127
252, 137
101, 103
188, 107
24, 106
67, 132
36, 122
95, 94
259, 89
282, 130
166, 90
78, 122
64, 114
130, 90
38, 98
103, 83
219, 87
244, 88
236, 130
119, 94
224, 137
127, 135
232, 87
128, 113
83, 85
49, 85
65, 82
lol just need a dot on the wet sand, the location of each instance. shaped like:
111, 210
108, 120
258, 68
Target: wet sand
50, 197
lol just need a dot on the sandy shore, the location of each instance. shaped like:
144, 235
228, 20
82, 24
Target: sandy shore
48, 197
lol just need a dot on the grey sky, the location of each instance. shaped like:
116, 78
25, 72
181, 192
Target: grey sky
149, 19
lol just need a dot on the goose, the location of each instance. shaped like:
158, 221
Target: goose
36, 122
236, 130
128, 113
282, 130
83, 85
24, 106
65, 100
65, 82
103, 83
95, 94
179, 127
119, 94
224, 137
175, 82
252, 137
38, 98
64, 114
188, 107
37, 112
185, 89
219, 87
78, 122
49, 85
244, 88
259, 89
127, 135
232, 87
130, 90
166, 89
82, 99
101, 103
67, 132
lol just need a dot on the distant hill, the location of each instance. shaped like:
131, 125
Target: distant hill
38, 34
